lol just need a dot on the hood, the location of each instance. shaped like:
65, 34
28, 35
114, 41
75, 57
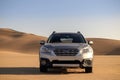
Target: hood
66, 45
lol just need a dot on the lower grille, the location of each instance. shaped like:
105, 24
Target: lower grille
66, 52
65, 62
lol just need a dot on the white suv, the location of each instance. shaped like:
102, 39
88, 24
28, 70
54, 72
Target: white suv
66, 50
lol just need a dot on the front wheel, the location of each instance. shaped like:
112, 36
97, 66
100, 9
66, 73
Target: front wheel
88, 69
43, 68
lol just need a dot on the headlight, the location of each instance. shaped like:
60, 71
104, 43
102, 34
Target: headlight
45, 50
87, 52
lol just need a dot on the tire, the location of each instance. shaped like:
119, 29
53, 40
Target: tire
43, 68
88, 69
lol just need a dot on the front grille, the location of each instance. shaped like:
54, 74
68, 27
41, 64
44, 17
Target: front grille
66, 52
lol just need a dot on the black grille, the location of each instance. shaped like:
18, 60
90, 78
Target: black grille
66, 52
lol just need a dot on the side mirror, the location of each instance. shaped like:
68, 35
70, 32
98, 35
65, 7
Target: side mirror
42, 42
90, 42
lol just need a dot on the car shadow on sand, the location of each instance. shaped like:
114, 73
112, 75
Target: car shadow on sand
32, 71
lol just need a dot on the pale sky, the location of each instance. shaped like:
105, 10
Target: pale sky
94, 18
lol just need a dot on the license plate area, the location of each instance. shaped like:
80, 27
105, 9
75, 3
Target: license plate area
65, 65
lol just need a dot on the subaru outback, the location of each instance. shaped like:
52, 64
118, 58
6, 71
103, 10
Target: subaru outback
66, 50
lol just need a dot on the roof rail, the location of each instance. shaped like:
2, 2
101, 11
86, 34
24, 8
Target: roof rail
78, 32
54, 32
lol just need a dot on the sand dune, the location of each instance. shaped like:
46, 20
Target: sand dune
15, 41
14, 65
11, 40
106, 46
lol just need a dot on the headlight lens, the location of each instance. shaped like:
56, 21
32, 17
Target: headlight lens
86, 50
45, 50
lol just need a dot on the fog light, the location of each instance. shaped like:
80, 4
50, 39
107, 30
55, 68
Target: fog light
43, 62
88, 62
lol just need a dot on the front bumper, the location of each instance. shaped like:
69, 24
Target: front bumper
66, 63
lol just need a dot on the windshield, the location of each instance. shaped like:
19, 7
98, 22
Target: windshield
67, 38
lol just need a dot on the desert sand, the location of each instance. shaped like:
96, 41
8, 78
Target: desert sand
18, 66
19, 59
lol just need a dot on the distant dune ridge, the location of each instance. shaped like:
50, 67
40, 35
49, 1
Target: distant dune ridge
106, 46
11, 40
15, 41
